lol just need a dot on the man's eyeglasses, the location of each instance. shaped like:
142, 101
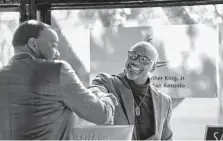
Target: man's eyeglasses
142, 59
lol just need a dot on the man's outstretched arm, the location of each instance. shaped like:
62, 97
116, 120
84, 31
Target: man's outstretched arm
84, 103
101, 84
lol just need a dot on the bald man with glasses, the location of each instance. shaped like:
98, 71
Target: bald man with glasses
141, 104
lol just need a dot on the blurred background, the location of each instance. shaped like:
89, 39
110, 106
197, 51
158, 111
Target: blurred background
191, 50
190, 115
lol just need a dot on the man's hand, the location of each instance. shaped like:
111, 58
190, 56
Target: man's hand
109, 97
111, 102
102, 93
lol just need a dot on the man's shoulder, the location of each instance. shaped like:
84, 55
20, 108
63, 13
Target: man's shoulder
104, 79
63, 64
56, 67
52, 61
104, 75
161, 93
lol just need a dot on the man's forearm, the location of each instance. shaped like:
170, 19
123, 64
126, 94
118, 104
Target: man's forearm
101, 92
81, 100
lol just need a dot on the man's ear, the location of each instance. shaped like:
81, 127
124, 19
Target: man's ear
32, 44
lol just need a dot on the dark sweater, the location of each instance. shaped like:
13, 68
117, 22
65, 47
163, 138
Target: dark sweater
144, 122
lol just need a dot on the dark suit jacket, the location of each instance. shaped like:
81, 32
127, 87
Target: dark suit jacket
125, 114
38, 98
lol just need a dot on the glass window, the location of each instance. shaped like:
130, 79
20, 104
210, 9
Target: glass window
8, 23
81, 29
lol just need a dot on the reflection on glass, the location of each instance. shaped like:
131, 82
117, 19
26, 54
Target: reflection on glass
191, 56
185, 113
8, 23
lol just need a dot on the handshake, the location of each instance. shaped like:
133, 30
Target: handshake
105, 96
111, 102
108, 98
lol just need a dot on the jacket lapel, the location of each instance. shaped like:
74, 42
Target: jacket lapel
128, 99
157, 104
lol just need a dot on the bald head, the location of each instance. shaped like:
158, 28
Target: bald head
146, 49
26, 30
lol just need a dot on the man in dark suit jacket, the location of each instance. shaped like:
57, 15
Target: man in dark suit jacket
140, 103
38, 94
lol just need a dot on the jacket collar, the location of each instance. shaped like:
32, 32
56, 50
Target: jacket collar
22, 56
122, 77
